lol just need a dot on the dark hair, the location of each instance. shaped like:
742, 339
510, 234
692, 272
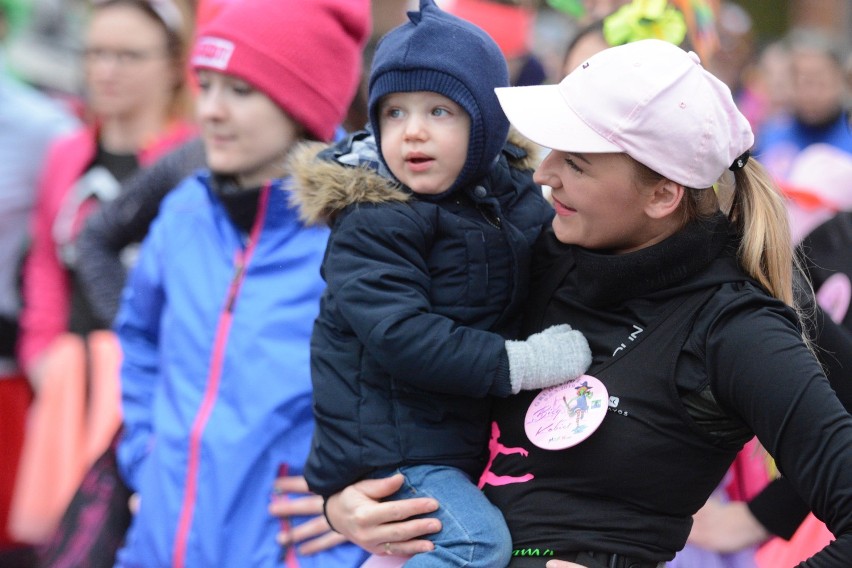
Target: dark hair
596, 26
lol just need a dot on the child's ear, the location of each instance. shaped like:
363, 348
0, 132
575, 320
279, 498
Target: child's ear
664, 199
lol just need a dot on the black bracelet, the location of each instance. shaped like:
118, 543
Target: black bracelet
325, 514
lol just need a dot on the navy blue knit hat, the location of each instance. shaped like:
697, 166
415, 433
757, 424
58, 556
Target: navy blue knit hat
436, 51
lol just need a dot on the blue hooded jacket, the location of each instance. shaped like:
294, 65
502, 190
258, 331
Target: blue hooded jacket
216, 390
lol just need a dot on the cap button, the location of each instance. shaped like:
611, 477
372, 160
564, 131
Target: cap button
480, 191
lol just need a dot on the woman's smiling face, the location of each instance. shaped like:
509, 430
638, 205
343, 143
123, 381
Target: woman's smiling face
599, 204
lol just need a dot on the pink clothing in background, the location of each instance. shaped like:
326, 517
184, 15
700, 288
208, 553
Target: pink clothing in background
46, 281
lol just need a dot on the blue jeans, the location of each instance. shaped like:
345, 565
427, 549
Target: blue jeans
473, 533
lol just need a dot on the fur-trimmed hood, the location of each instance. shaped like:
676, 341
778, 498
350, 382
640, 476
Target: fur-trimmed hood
329, 178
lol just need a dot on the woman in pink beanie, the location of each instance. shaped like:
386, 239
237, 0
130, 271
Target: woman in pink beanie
216, 316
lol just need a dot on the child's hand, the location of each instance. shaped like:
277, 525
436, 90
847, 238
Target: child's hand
551, 357
563, 564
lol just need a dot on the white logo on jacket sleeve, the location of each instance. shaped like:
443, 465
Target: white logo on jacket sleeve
213, 52
631, 337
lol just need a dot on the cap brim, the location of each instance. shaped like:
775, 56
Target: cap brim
541, 114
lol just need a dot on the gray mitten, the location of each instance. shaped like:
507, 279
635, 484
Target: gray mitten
551, 357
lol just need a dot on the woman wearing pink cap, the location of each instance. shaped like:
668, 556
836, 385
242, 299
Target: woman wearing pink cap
216, 317
688, 307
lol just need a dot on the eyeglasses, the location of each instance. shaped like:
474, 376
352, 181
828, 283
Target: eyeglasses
125, 57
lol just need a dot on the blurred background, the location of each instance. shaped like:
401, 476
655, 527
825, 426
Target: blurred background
785, 84
44, 49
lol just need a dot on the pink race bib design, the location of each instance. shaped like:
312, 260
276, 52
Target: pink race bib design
564, 415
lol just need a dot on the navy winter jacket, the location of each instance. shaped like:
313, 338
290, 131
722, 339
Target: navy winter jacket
421, 294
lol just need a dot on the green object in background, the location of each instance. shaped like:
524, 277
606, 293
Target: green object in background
573, 8
645, 19
16, 14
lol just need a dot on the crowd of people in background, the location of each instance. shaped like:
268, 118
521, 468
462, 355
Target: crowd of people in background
165, 298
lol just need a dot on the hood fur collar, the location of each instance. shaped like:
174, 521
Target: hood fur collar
324, 187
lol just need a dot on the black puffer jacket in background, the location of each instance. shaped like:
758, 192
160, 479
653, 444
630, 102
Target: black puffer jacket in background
124, 221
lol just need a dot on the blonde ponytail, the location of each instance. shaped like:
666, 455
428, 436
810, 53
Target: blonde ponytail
759, 214
757, 210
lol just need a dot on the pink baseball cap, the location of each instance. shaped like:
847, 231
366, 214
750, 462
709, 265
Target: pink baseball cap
649, 99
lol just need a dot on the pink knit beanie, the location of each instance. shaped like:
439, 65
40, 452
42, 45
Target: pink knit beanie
303, 54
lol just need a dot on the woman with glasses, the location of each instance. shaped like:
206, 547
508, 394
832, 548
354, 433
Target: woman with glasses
136, 106
135, 109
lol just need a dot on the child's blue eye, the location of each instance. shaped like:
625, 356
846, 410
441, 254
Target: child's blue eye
439, 111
